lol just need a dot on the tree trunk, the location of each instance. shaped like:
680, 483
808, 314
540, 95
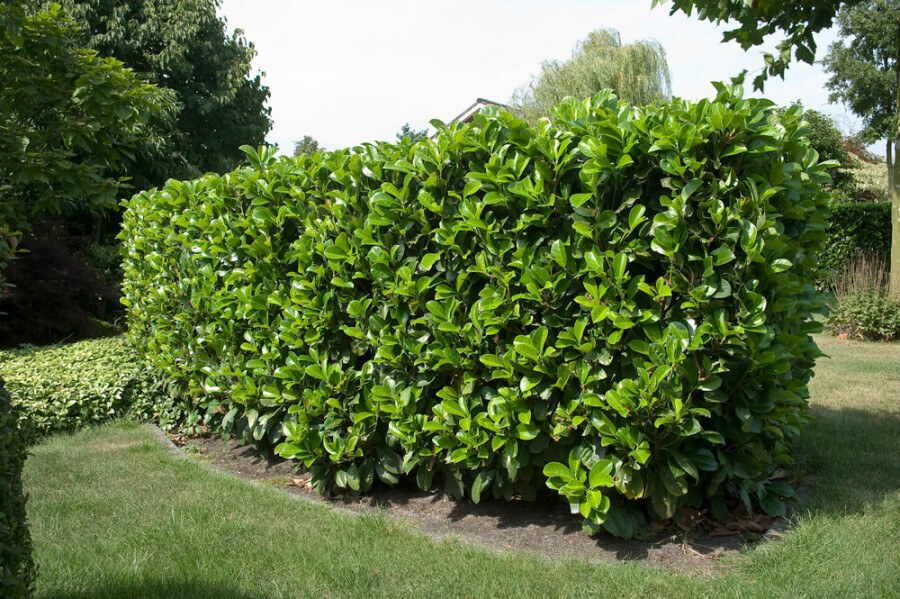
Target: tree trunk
894, 179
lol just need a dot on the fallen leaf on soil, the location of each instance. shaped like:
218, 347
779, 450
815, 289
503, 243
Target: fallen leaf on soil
760, 523
721, 531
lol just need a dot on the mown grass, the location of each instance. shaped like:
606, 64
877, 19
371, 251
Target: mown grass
113, 514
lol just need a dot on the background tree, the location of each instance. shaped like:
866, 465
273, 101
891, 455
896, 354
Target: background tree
863, 64
865, 67
638, 73
799, 22
412, 134
68, 121
307, 145
183, 46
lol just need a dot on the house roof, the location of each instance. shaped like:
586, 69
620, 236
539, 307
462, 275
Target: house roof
467, 115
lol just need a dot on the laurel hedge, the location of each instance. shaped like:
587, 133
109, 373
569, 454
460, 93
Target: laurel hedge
857, 228
616, 304
17, 569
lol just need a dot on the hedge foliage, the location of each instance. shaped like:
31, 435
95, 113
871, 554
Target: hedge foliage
856, 228
17, 570
617, 304
65, 387
6, 255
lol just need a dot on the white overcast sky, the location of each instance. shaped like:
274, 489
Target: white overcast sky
349, 71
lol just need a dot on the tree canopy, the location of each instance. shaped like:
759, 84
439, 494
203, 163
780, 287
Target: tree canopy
67, 116
184, 46
638, 73
797, 21
69, 120
863, 65
412, 134
307, 145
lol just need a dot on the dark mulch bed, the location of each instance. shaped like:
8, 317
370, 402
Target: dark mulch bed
543, 526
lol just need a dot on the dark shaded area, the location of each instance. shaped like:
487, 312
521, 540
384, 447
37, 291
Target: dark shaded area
851, 458
56, 295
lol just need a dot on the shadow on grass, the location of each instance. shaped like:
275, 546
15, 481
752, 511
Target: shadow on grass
152, 590
852, 457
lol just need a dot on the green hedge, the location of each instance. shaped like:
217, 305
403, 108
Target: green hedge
6, 255
856, 228
17, 568
65, 387
617, 305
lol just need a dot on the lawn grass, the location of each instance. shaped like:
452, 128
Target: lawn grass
114, 514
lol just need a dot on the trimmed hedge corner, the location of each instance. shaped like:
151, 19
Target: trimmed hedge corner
17, 570
617, 304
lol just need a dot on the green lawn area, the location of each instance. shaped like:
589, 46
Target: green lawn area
114, 514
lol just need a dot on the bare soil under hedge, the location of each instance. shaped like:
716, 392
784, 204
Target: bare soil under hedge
544, 526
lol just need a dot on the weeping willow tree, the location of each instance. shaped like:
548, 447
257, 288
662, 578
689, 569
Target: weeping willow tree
638, 73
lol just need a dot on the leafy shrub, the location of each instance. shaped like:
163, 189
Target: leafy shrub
826, 139
17, 569
857, 228
863, 307
65, 387
617, 304
54, 296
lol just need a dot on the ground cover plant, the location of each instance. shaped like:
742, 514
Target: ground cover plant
617, 304
66, 387
113, 514
863, 308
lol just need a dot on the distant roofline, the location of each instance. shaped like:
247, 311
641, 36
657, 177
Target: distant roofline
469, 112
